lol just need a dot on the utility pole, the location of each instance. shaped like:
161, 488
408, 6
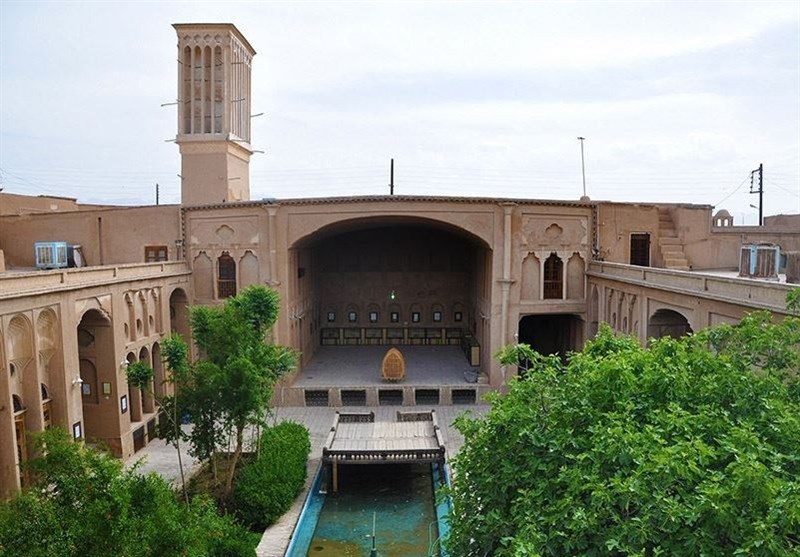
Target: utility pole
759, 191
156, 193
391, 178
583, 166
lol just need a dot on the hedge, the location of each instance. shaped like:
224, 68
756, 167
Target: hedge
267, 487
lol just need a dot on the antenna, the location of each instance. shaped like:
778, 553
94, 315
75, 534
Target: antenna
156, 193
583, 166
391, 177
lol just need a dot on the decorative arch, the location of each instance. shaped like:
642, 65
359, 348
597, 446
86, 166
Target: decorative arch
159, 376
576, 277
226, 276
374, 313
668, 323
16, 402
350, 312
248, 266
148, 404
47, 332
553, 278
203, 276
338, 223
143, 321
594, 311
20, 341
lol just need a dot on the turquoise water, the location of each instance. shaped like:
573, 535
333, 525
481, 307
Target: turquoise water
402, 495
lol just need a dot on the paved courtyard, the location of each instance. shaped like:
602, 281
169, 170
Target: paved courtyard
334, 366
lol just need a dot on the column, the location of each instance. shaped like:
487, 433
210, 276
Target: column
191, 89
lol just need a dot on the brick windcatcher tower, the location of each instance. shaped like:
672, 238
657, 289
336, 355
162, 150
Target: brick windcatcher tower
214, 61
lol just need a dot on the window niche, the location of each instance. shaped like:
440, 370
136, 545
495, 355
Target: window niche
553, 278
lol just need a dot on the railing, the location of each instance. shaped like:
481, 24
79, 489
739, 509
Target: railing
333, 336
403, 336
371, 456
742, 291
366, 456
14, 283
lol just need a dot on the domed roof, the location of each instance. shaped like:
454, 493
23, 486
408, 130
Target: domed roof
722, 213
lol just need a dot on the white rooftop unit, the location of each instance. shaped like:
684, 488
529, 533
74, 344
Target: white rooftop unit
760, 261
51, 255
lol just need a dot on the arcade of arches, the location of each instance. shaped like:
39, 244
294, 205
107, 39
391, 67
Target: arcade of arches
64, 366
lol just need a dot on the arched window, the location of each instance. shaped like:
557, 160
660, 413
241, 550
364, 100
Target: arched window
226, 281
553, 278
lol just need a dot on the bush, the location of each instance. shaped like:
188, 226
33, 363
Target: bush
83, 504
676, 449
266, 488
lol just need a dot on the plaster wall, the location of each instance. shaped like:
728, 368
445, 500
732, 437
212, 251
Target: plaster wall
39, 334
107, 236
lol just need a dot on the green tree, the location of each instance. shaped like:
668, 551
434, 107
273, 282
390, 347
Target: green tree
233, 380
688, 447
140, 374
82, 503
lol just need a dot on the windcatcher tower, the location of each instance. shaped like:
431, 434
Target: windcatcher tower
214, 61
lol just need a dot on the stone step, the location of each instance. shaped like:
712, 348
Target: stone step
676, 263
669, 241
673, 254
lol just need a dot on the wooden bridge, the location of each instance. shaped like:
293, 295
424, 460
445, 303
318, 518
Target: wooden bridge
356, 438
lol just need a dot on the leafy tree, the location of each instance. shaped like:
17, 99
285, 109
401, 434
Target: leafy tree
84, 504
232, 383
688, 447
140, 375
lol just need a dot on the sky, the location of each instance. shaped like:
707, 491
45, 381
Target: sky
678, 101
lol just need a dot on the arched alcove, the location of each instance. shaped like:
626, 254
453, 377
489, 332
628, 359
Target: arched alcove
668, 322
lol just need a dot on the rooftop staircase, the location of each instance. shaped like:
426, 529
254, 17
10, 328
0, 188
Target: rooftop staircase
670, 243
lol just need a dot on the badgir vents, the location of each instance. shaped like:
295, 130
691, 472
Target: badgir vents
445, 280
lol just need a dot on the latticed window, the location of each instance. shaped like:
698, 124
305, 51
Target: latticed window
226, 281
153, 254
553, 278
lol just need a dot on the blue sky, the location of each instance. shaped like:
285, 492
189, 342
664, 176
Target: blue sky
679, 101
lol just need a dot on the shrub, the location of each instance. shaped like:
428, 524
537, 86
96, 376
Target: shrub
84, 504
676, 449
266, 488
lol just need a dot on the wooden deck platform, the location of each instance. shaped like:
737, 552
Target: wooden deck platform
356, 438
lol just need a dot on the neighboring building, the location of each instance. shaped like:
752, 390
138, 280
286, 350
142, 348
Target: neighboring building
411, 271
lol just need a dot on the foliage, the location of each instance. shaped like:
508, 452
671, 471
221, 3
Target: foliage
689, 447
793, 301
84, 504
139, 374
266, 488
231, 386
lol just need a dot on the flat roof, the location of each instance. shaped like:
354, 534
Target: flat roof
221, 26
356, 438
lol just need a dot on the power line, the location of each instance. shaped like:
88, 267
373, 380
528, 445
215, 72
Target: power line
717, 204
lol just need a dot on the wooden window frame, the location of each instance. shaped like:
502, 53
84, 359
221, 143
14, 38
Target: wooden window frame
553, 278
152, 254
